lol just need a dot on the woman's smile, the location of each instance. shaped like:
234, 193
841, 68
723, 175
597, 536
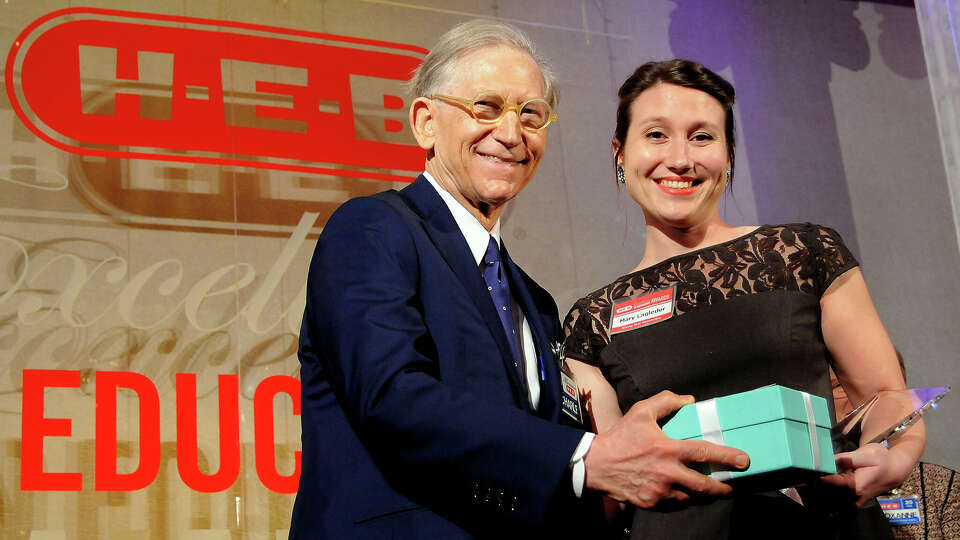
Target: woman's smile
678, 185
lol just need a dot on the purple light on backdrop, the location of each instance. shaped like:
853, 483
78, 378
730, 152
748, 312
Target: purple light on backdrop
953, 32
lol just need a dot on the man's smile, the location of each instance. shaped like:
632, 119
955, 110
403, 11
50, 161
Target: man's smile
503, 159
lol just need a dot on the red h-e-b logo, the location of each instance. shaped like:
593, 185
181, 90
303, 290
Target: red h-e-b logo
135, 85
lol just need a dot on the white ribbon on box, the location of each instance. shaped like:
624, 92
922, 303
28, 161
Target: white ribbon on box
812, 429
710, 430
709, 421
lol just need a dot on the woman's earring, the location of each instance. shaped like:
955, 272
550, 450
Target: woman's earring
728, 173
620, 176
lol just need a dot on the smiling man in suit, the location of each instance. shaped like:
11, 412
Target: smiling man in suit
431, 402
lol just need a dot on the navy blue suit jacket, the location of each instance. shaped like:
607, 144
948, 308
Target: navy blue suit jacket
415, 422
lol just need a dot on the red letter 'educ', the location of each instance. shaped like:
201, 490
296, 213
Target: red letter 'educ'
107, 477
264, 435
187, 444
34, 427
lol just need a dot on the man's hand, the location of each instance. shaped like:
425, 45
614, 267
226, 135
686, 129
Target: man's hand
635, 462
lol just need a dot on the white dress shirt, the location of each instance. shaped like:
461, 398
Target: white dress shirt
478, 238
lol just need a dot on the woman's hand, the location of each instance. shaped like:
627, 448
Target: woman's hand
870, 470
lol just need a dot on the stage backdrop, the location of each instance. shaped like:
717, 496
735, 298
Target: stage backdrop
166, 167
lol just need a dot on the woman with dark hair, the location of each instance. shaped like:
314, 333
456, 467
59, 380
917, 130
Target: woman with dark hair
747, 306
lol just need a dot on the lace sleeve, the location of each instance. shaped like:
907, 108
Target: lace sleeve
828, 256
585, 334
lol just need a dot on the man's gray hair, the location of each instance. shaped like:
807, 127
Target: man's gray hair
470, 36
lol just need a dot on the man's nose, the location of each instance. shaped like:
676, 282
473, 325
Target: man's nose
509, 131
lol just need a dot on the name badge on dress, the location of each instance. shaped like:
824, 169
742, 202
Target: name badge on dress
901, 510
650, 308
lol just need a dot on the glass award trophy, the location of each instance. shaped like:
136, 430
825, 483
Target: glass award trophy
908, 405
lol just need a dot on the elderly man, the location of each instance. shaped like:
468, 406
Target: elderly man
431, 390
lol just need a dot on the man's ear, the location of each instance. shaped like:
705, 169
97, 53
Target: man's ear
423, 123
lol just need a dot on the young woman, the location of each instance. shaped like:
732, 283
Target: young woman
751, 306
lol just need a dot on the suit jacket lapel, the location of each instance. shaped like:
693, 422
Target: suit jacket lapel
448, 239
547, 367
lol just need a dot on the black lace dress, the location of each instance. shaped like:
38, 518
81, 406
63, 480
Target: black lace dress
746, 314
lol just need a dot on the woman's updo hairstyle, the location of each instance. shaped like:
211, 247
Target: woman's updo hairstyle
686, 73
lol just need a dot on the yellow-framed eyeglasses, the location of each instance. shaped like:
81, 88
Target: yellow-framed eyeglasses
489, 107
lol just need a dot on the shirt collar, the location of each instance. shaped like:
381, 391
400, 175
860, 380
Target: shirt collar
473, 232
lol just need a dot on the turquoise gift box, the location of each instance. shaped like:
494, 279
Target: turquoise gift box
785, 432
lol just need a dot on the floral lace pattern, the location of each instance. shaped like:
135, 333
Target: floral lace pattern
796, 257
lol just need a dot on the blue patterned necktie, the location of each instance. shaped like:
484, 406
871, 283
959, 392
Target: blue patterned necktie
499, 288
